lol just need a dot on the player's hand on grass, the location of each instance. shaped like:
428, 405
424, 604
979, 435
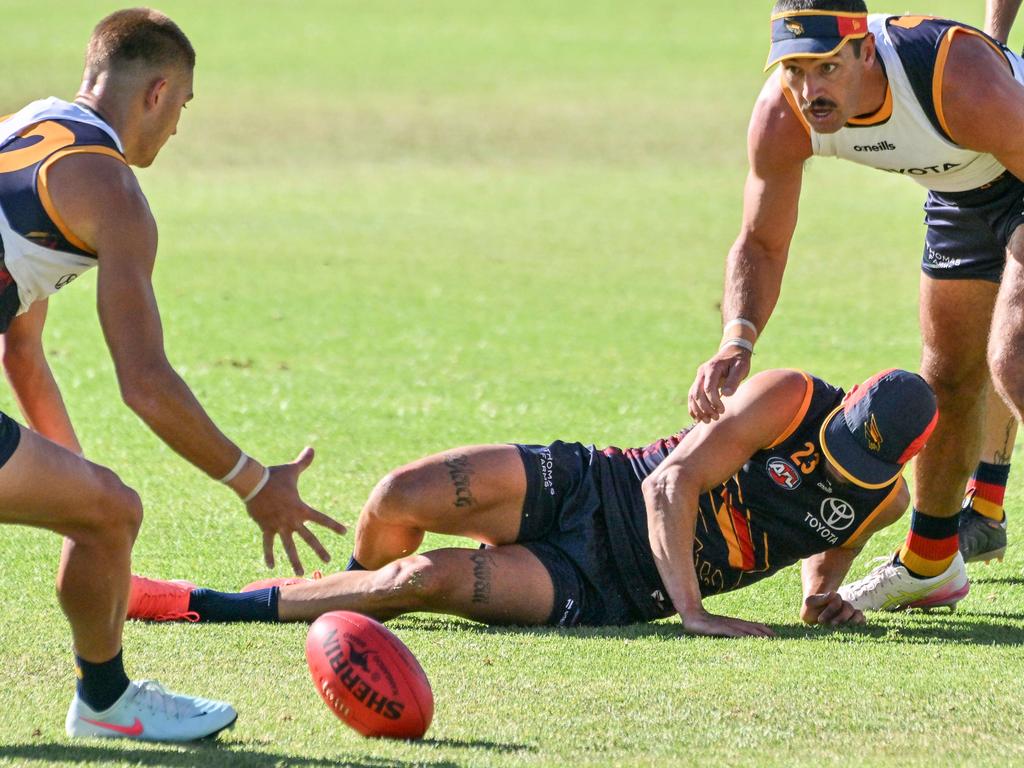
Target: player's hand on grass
279, 510
703, 623
717, 378
830, 609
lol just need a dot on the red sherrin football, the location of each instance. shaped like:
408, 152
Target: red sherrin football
367, 676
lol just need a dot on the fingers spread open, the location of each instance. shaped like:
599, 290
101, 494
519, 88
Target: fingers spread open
314, 543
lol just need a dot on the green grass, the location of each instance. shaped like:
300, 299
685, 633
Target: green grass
392, 227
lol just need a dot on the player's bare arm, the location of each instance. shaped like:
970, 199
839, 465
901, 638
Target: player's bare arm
999, 17
100, 200
982, 104
32, 381
822, 574
778, 145
711, 453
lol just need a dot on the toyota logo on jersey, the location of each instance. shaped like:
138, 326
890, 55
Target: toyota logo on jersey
836, 513
783, 473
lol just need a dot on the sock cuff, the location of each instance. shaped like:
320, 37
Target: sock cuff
930, 527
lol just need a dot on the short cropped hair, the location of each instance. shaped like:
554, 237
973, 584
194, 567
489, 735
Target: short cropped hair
842, 6
138, 36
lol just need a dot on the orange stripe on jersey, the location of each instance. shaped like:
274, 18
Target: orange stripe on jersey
799, 417
736, 532
909, 22
940, 70
878, 117
742, 528
53, 136
44, 190
852, 542
724, 520
793, 105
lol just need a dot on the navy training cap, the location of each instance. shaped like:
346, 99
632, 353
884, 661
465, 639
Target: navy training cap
813, 34
880, 426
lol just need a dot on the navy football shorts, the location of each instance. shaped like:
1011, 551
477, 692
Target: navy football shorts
10, 435
968, 231
563, 526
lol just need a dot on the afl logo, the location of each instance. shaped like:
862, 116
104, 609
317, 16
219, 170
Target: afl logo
836, 513
64, 280
783, 473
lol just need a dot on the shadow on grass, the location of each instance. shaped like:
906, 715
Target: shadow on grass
973, 628
1015, 580
493, 746
190, 756
918, 627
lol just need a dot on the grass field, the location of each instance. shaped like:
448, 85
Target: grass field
391, 227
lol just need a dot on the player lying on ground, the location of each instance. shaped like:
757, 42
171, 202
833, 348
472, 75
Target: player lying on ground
582, 536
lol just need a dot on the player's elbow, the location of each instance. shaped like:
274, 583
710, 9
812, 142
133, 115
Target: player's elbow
664, 485
142, 390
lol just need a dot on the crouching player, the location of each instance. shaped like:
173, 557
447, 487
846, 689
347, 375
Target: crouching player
579, 536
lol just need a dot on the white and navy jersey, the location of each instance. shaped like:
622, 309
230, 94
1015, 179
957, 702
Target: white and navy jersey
909, 134
39, 251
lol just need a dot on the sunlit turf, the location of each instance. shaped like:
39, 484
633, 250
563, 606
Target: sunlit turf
392, 227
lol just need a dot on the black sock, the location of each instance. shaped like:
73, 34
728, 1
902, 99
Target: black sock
354, 565
258, 605
100, 685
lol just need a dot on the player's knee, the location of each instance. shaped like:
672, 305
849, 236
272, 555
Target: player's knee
1007, 374
395, 497
114, 512
951, 378
409, 582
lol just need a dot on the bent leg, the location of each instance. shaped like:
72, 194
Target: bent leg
476, 491
1006, 341
501, 585
46, 486
1000, 431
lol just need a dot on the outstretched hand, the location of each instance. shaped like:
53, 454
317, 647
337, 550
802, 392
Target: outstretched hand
829, 608
279, 510
704, 623
717, 378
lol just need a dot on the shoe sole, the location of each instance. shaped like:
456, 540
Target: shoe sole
987, 557
215, 734
945, 601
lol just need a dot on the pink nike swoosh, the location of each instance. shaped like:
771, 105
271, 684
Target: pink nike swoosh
135, 729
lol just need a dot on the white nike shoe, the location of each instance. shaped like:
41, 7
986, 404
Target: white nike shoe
148, 712
891, 587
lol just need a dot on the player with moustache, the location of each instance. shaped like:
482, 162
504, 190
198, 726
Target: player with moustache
795, 469
929, 99
69, 202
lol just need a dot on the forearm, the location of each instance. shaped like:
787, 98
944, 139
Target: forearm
39, 399
999, 17
824, 572
671, 521
753, 281
165, 403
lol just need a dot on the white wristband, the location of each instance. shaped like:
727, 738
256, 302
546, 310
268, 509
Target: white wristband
258, 487
742, 321
236, 469
737, 342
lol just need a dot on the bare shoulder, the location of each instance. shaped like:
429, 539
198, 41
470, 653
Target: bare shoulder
99, 198
777, 137
767, 403
977, 91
